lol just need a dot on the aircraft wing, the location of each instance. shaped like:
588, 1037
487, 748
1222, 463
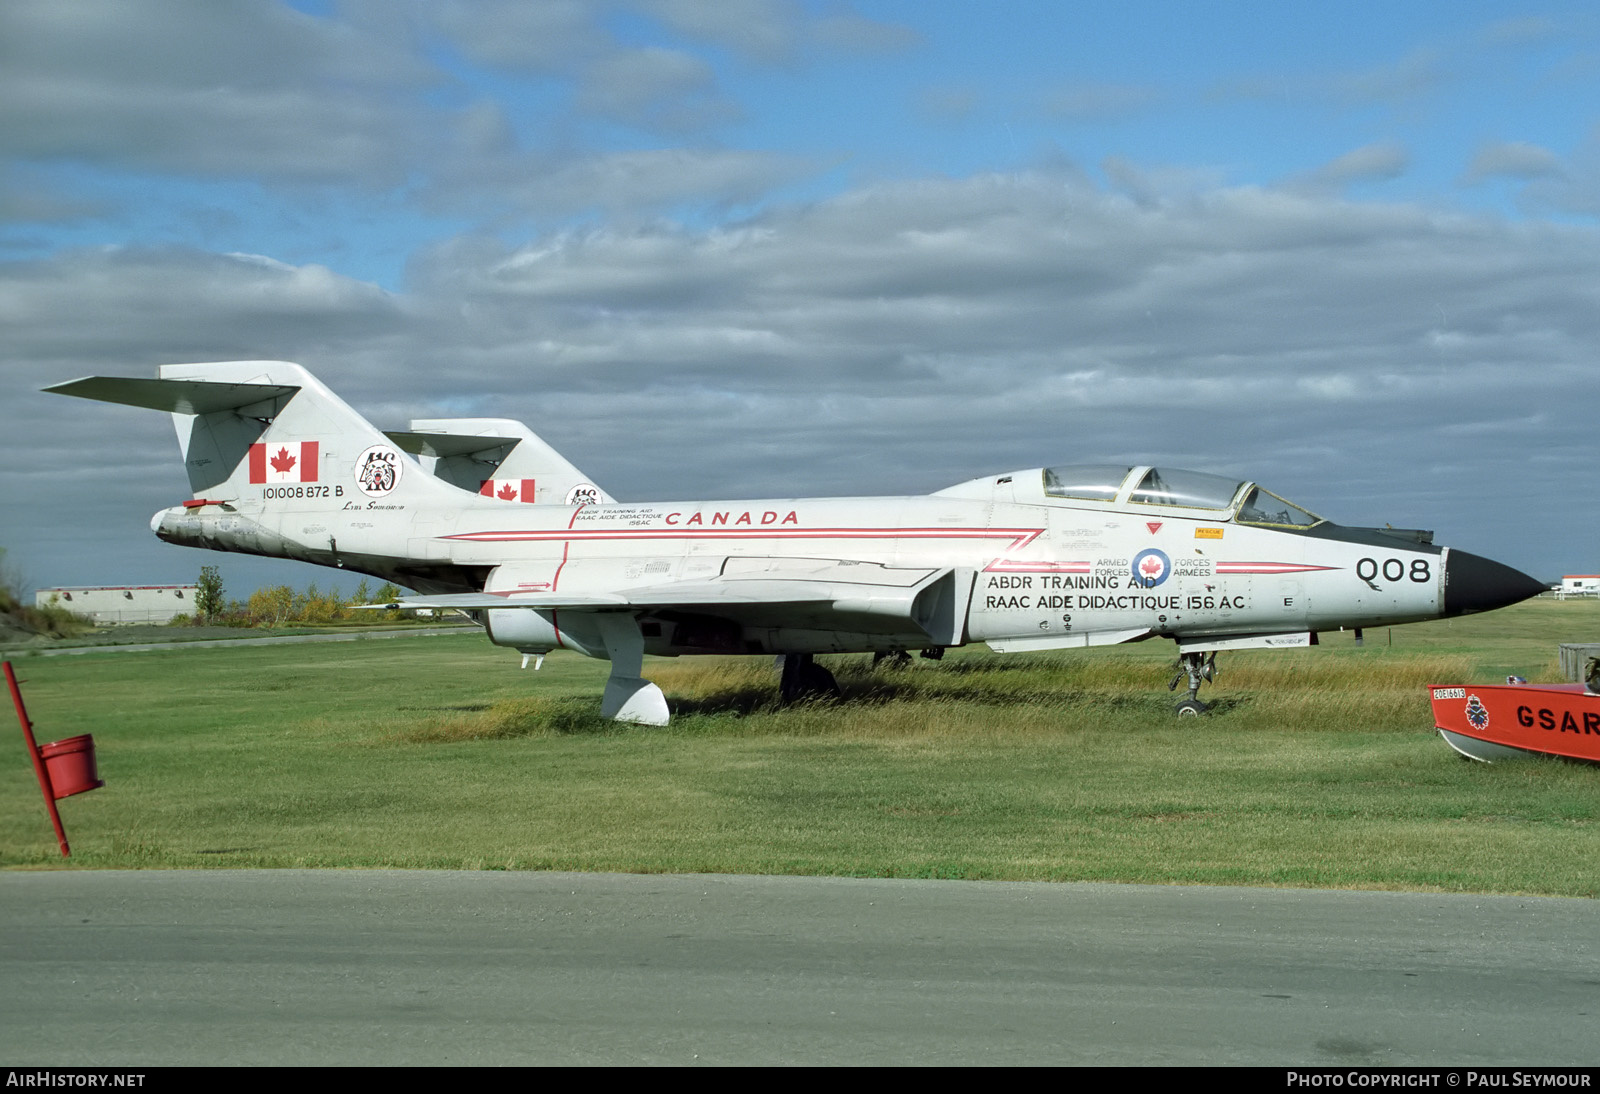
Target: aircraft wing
683, 595
478, 602
920, 604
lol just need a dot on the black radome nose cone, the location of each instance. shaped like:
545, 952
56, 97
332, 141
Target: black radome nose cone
1476, 584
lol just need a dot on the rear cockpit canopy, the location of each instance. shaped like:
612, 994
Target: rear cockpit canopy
1086, 482
1128, 487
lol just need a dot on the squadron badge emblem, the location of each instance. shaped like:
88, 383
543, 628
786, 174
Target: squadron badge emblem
378, 470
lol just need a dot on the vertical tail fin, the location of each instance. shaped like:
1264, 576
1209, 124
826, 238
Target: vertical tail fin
281, 466
309, 438
499, 458
246, 424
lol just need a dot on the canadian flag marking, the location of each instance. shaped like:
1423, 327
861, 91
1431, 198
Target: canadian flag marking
284, 461
508, 489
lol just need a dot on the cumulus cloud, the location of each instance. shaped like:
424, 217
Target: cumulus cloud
26, 197
778, 31
657, 89
766, 30
116, 307
1513, 159
235, 89
223, 89
1544, 182
1416, 74
1395, 84
1370, 163
378, 99
622, 82
622, 184
550, 37
847, 30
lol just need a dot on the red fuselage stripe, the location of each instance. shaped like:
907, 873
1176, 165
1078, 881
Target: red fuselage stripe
1020, 537
1008, 566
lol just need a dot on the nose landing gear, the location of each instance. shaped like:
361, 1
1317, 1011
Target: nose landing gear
1199, 667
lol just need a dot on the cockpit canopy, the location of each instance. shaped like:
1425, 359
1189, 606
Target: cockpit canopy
1246, 502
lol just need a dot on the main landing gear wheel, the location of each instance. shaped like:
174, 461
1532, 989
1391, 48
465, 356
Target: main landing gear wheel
1198, 667
803, 678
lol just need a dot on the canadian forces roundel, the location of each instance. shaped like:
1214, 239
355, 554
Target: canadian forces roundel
378, 470
1150, 567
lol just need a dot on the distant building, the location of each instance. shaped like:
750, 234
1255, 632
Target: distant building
1580, 585
121, 603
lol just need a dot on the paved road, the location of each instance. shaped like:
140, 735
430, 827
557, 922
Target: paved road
359, 967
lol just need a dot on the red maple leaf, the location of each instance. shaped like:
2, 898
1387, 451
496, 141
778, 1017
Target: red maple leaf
282, 461
1151, 565
507, 493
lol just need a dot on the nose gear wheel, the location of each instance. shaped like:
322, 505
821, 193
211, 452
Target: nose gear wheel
1199, 667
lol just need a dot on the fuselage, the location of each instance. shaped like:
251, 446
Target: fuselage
1031, 570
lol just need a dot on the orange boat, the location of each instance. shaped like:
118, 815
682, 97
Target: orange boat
1491, 722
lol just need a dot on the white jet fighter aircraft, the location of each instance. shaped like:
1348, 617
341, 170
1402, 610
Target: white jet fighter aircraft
480, 515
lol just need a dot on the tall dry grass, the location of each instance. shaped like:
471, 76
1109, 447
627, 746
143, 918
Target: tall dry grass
984, 696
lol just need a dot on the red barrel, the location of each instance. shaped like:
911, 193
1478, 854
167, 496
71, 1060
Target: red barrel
71, 765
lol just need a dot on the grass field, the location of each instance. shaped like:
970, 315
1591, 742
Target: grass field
1317, 768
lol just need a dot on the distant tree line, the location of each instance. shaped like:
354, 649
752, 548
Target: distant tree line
274, 606
283, 605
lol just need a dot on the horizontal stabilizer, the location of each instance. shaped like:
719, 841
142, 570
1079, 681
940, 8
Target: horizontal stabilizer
445, 445
178, 396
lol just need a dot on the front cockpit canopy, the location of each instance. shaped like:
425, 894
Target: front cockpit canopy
1245, 501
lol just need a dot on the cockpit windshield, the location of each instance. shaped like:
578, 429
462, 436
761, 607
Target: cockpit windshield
1264, 507
1089, 481
1190, 489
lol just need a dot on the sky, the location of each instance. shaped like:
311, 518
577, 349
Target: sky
780, 248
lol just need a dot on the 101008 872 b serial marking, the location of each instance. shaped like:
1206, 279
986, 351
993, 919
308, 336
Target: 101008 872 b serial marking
271, 492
